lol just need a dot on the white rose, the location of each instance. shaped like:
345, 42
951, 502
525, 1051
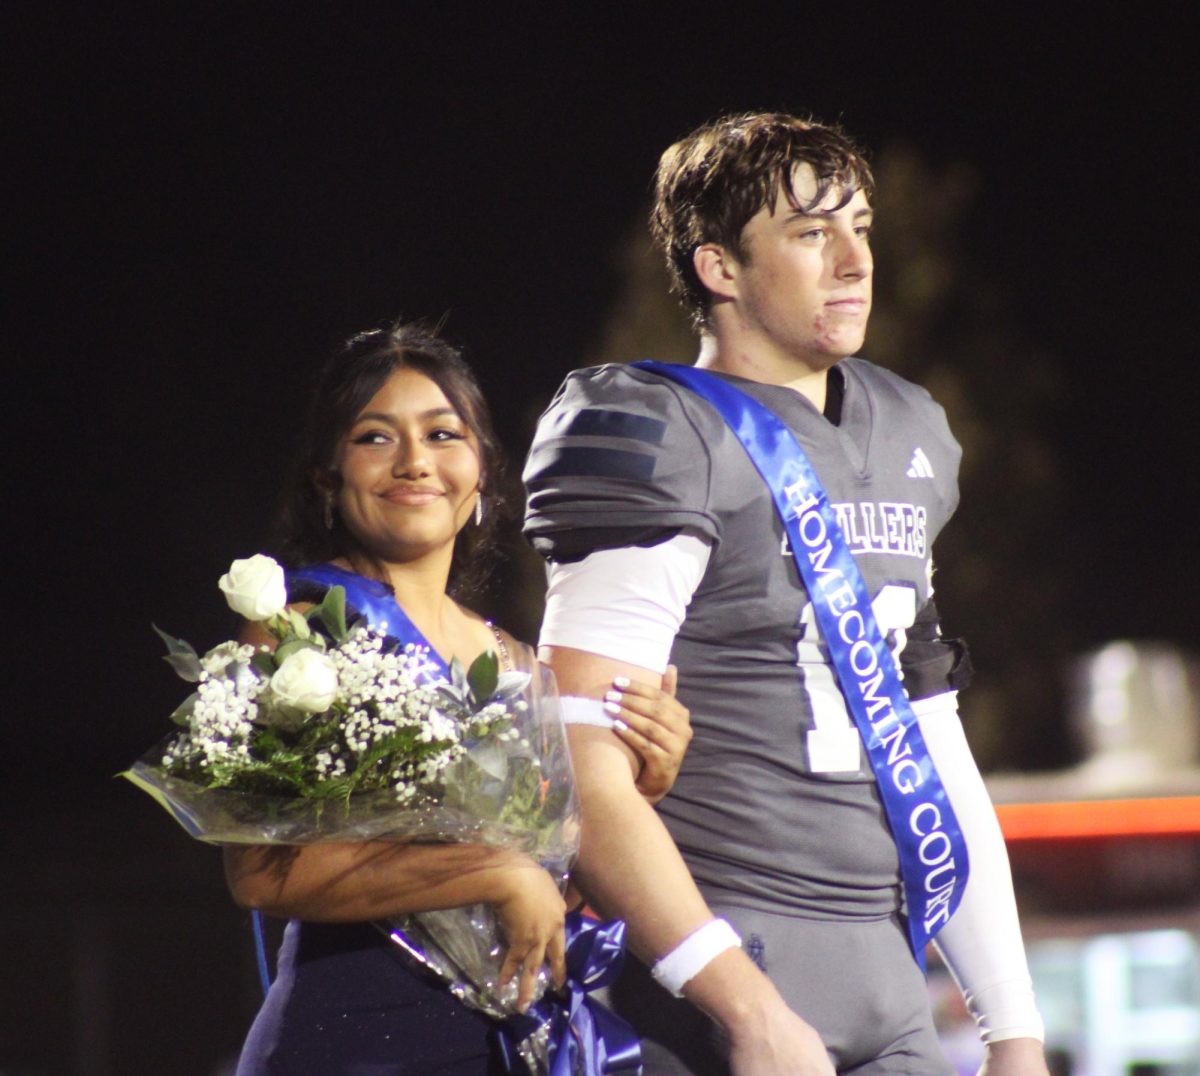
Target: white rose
254, 587
307, 680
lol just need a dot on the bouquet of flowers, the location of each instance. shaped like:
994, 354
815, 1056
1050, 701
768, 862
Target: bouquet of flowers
341, 733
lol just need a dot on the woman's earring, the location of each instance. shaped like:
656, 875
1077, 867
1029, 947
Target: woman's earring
329, 511
479, 510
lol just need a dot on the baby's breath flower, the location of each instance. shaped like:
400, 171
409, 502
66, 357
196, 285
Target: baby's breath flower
394, 725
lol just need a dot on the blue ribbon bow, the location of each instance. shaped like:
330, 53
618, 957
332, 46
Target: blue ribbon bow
586, 1039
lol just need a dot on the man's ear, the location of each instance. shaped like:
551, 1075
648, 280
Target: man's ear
717, 270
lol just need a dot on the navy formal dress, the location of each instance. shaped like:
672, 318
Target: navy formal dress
345, 1002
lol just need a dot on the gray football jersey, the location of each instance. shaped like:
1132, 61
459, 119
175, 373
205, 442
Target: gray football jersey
775, 806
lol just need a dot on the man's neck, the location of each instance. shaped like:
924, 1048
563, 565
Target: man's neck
810, 381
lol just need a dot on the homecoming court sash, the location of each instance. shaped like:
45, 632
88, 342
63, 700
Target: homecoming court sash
929, 841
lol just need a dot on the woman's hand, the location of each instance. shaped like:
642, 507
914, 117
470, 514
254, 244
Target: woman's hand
656, 725
531, 913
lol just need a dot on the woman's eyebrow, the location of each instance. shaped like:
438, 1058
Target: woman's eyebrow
385, 416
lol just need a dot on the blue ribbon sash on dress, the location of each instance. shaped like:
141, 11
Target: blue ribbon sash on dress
586, 1039
375, 603
929, 841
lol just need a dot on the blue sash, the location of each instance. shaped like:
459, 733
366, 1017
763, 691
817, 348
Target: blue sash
929, 842
374, 602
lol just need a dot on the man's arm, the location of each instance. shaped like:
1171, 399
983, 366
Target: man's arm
629, 867
982, 943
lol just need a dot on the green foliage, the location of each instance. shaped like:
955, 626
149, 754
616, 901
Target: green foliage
484, 675
298, 623
183, 711
180, 656
332, 613
473, 688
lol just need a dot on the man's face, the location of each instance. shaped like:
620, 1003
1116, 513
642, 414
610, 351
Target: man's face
803, 292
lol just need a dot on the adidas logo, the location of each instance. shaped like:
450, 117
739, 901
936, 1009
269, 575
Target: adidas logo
919, 467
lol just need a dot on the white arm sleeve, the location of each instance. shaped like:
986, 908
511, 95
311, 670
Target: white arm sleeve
625, 604
982, 943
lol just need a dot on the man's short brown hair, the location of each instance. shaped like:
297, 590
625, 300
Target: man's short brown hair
711, 183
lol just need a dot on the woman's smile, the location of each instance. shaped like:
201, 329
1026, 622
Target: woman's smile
412, 495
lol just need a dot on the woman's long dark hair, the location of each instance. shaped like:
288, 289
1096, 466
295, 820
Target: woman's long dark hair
345, 386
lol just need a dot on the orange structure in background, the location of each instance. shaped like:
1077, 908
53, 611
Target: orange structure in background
1150, 817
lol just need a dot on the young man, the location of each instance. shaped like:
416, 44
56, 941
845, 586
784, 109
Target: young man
665, 543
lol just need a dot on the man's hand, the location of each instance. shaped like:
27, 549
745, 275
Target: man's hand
789, 1047
1014, 1057
766, 1038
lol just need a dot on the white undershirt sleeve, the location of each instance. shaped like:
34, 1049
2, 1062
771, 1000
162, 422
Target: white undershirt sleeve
626, 604
982, 943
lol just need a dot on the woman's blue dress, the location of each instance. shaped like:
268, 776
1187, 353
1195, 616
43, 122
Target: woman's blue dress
345, 1002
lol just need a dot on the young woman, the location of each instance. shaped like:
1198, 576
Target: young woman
396, 486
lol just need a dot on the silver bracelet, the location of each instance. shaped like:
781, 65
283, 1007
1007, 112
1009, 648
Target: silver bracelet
692, 955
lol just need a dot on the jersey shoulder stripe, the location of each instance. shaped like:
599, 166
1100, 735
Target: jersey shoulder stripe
619, 457
606, 422
565, 461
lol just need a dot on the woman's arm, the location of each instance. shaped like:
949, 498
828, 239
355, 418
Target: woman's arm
334, 882
354, 881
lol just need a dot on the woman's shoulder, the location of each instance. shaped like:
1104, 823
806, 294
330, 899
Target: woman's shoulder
514, 654
511, 652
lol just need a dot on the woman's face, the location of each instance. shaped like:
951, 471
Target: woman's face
410, 471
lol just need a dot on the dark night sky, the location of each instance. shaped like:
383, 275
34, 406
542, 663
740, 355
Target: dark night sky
207, 197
